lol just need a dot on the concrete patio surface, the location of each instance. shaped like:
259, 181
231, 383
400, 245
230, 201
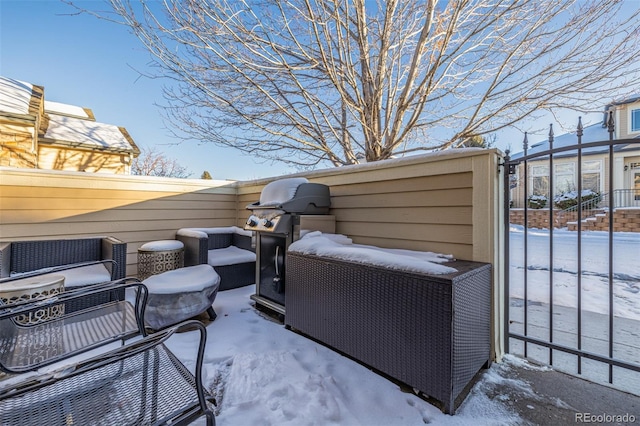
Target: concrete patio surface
543, 396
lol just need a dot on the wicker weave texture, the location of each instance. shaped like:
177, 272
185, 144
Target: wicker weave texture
238, 275
412, 327
231, 276
26, 256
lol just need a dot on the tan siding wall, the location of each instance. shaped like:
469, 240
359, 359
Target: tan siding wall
420, 203
16, 144
56, 158
38, 204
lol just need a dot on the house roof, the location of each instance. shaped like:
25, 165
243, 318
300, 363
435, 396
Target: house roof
65, 125
14, 96
69, 110
593, 133
84, 133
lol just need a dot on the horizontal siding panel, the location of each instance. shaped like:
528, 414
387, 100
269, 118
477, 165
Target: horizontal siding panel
382, 171
174, 203
409, 215
431, 198
459, 234
107, 194
16, 216
113, 228
418, 183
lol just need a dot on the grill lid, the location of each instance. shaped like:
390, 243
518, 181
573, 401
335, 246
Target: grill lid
294, 195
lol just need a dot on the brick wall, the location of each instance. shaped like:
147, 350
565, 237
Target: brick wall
624, 220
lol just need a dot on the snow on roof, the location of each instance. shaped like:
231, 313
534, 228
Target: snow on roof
14, 96
87, 133
593, 133
338, 246
65, 109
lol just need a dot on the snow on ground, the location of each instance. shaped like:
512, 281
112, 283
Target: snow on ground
594, 267
264, 374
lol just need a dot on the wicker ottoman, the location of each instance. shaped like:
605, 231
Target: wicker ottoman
180, 294
157, 257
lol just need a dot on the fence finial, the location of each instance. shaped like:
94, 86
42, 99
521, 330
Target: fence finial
551, 136
580, 131
611, 125
525, 143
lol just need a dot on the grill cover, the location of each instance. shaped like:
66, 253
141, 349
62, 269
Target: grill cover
294, 195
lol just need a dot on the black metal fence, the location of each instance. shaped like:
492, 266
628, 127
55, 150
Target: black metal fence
562, 302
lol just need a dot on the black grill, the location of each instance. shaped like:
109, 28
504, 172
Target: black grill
275, 219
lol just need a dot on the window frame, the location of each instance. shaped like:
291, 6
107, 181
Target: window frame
634, 120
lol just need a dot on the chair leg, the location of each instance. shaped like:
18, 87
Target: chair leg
212, 314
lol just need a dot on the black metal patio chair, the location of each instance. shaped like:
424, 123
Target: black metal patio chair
139, 382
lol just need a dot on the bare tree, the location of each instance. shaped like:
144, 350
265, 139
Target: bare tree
338, 81
152, 162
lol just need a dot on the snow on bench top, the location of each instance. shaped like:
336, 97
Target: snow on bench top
203, 232
338, 246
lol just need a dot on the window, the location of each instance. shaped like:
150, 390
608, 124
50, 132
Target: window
635, 120
540, 180
591, 175
564, 178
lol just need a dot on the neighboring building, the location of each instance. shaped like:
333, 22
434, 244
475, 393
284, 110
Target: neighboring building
40, 134
595, 161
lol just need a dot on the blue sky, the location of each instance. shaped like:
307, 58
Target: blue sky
81, 60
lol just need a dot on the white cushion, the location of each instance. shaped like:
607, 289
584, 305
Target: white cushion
231, 255
76, 277
85, 275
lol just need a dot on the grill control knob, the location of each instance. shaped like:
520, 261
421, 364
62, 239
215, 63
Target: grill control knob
252, 221
267, 223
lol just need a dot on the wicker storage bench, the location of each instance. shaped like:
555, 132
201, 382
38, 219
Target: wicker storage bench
431, 332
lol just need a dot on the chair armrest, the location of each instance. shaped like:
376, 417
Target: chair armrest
5, 259
115, 250
195, 249
243, 242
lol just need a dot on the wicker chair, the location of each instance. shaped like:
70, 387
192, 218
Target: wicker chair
24, 257
125, 385
202, 244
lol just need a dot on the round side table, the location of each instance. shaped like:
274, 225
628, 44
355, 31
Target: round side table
30, 288
159, 256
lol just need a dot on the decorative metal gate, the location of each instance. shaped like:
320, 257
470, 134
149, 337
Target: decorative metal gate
572, 297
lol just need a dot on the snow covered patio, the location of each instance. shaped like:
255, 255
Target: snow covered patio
264, 374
